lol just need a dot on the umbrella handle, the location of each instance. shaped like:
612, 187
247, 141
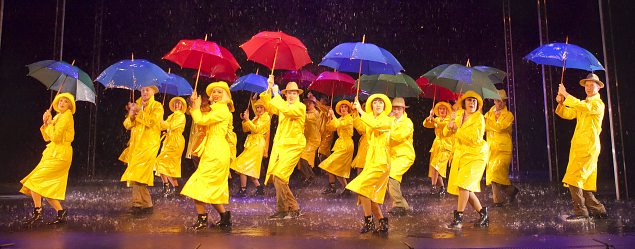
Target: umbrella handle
359, 73
275, 57
198, 73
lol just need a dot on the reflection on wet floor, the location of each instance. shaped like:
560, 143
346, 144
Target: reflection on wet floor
102, 207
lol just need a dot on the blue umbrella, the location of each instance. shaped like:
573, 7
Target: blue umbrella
132, 74
175, 85
63, 77
347, 57
564, 55
251, 82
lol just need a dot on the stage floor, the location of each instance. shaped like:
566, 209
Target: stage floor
98, 218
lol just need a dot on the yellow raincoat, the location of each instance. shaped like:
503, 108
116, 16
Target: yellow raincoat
209, 182
169, 159
50, 176
499, 137
312, 135
250, 160
372, 182
232, 140
326, 136
470, 150
441, 150
585, 144
402, 150
360, 158
145, 140
339, 162
289, 141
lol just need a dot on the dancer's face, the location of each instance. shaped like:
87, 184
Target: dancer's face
500, 104
344, 109
63, 104
398, 111
378, 106
260, 109
292, 95
471, 105
178, 105
591, 88
146, 93
217, 94
443, 111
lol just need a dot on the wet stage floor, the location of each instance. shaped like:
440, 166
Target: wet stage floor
98, 218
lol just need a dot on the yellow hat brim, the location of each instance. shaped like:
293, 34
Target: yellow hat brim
68, 96
471, 94
171, 104
343, 102
387, 103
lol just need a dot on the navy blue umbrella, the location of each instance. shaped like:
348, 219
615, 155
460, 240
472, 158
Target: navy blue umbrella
132, 74
565, 55
175, 85
251, 82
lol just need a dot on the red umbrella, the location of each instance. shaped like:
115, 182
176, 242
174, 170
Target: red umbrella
302, 77
203, 55
334, 83
276, 50
435, 92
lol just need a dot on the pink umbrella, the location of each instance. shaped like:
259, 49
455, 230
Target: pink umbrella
302, 77
334, 83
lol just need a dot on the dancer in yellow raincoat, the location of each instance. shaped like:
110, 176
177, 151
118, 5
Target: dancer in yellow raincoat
371, 184
338, 164
498, 131
144, 122
288, 144
50, 176
469, 159
209, 183
402, 155
326, 136
441, 150
197, 134
169, 159
313, 138
248, 163
362, 143
581, 174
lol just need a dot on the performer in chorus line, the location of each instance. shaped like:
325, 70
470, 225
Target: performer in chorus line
371, 183
50, 175
209, 183
169, 159
338, 164
469, 159
248, 163
288, 144
441, 151
581, 174
360, 157
313, 138
144, 122
498, 131
402, 154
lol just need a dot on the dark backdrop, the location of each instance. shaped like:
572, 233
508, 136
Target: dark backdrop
421, 34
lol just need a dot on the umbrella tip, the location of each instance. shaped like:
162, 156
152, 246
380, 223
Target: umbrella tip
364, 38
468, 63
73, 63
206, 37
132, 56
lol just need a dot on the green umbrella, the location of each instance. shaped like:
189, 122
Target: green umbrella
63, 77
495, 74
399, 85
459, 79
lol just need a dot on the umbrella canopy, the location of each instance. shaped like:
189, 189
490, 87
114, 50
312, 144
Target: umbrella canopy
302, 77
334, 84
132, 74
435, 92
175, 85
346, 57
495, 74
276, 50
459, 79
555, 54
251, 82
210, 57
64, 77
400, 85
